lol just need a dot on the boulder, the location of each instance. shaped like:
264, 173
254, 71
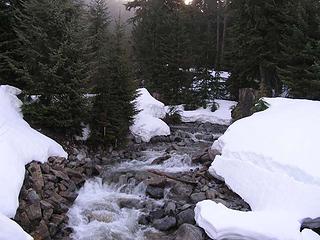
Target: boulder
155, 192
161, 159
198, 197
189, 232
165, 224
186, 216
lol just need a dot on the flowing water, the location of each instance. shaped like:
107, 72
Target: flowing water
109, 208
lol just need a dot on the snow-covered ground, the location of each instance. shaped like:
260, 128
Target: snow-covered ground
271, 160
147, 122
19, 145
221, 116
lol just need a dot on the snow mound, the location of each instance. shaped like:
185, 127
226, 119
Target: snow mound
271, 160
221, 116
147, 123
222, 223
308, 234
224, 75
11, 230
19, 145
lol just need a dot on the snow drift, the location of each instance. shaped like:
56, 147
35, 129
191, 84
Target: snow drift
271, 160
19, 145
148, 123
221, 116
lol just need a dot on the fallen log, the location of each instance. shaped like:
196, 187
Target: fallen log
172, 177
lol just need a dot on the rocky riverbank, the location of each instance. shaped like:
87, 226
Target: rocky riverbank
170, 174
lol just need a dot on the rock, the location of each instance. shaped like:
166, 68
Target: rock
47, 214
171, 148
143, 219
32, 197
170, 208
181, 192
156, 214
218, 200
24, 220
165, 224
42, 231
311, 223
160, 160
212, 194
247, 98
155, 192
181, 143
212, 153
130, 203
198, 197
36, 176
157, 236
71, 196
105, 217
73, 173
186, 216
45, 205
57, 219
34, 211
185, 206
189, 232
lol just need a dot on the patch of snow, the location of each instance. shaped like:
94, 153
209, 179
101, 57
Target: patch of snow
308, 234
221, 116
221, 74
11, 230
147, 122
85, 133
19, 145
222, 223
149, 105
271, 160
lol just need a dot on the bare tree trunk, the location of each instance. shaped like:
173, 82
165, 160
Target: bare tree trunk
218, 36
225, 22
265, 88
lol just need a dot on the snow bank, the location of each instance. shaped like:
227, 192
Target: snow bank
148, 123
11, 230
224, 75
221, 116
19, 145
271, 160
308, 234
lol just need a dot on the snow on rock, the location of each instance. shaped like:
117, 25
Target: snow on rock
19, 145
308, 234
271, 160
222, 223
224, 75
148, 123
11, 230
221, 116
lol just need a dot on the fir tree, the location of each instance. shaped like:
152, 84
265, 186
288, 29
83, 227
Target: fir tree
113, 107
52, 47
256, 31
300, 49
10, 69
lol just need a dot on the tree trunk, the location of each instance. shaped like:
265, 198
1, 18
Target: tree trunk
265, 83
218, 37
225, 22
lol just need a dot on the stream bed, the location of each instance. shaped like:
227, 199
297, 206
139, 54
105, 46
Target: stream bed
152, 192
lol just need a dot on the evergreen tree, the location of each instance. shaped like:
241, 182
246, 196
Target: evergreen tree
300, 49
52, 49
10, 69
113, 107
162, 47
257, 28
